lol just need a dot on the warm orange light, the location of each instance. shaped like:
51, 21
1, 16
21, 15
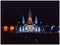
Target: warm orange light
6, 28
30, 19
12, 28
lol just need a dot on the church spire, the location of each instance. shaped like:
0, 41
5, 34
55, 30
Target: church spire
29, 16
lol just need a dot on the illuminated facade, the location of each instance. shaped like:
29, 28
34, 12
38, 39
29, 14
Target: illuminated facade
29, 26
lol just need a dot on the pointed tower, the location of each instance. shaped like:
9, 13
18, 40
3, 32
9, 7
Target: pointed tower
29, 14
23, 20
29, 17
36, 20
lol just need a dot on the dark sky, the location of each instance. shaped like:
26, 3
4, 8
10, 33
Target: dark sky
47, 12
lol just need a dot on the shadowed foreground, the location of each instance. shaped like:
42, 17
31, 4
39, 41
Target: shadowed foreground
29, 38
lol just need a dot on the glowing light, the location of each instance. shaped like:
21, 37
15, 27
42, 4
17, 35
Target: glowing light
38, 29
29, 28
59, 31
36, 20
6, 28
23, 20
23, 28
20, 29
29, 20
12, 28
52, 27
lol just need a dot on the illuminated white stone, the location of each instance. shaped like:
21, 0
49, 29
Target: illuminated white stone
20, 29
38, 29
29, 28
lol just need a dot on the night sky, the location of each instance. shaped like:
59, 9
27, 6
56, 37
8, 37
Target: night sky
12, 12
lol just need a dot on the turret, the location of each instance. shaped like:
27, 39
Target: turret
36, 20
23, 20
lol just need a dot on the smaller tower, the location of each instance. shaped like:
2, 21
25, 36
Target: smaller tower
23, 20
36, 20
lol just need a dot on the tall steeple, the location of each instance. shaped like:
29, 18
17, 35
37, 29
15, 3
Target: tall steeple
29, 16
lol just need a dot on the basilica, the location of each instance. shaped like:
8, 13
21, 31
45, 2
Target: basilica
30, 26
